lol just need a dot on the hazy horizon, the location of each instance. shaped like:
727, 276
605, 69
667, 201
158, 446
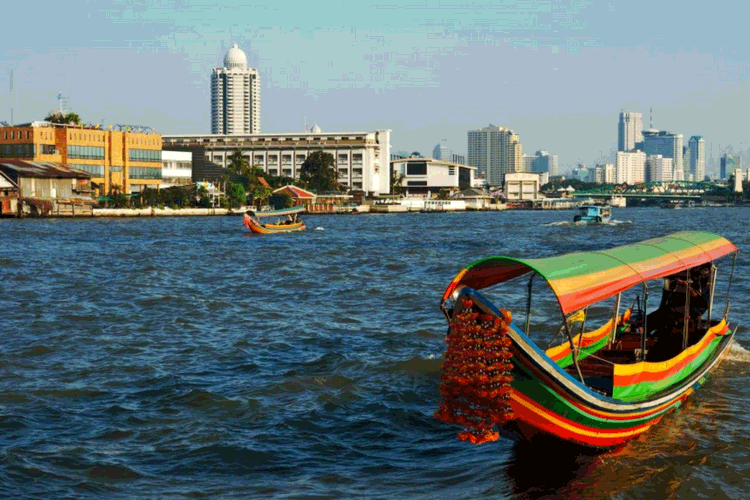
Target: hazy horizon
558, 74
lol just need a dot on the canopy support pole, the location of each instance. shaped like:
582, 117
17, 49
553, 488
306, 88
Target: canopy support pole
711, 298
615, 313
583, 325
645, 321
729, 287
686, 316
528, 306
573, 350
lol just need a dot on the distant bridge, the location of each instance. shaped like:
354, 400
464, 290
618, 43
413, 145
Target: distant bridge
682, 190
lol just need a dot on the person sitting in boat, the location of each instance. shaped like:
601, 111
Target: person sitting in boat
289, 220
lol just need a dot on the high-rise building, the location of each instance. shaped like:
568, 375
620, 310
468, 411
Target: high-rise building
697, 157
442, 152
630, 167
235, 96
544, 162
528, 163
728, 165
495, 151
661, 142
658, 169
629, 131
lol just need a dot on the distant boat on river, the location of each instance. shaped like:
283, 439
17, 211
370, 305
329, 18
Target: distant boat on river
286, 221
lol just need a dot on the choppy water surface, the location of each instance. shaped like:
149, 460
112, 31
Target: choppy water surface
183, 358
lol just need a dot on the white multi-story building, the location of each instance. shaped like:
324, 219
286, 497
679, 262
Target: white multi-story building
235, 96
609, 173
495, 151
629, 131
176, 168
630, 167
660, 142
659, 168
697, 157
361, 158
522, 186
429, 176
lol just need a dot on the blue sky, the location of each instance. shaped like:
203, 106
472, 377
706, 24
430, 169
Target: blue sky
557, 73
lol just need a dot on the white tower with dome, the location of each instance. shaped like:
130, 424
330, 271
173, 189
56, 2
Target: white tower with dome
235, 96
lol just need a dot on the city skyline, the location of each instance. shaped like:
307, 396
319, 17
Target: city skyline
399, 68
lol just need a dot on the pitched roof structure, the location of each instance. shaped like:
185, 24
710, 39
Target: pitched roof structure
40, 169
297, 192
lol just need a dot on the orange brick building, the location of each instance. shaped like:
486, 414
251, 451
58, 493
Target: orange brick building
124, 160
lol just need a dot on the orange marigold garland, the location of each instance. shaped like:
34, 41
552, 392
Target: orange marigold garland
476, 376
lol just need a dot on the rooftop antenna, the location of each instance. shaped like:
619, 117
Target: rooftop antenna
651, 117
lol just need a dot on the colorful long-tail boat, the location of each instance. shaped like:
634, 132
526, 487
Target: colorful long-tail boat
614, 372
287, 221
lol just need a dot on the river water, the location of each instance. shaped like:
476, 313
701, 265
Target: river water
183, 358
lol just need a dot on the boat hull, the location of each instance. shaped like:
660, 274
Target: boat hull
546, 400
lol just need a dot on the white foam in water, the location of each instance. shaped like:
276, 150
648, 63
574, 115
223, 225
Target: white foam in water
738, 353
319, 229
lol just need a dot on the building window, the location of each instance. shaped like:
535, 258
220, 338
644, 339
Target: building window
94, 170
86, 152
48, 149
17, 150
149, 155
416, 168
145, 172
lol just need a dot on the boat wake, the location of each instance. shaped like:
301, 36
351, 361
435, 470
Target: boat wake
738, 353
319, 229
582, 223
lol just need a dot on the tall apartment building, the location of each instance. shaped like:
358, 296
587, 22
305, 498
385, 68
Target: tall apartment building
630, 167
658, 169
527, 162
495, 151
697, 157
660, 142
729, 163
629, 131
235, 96
127, 160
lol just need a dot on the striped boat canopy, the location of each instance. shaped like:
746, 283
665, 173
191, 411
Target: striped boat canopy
584, 278
277, 213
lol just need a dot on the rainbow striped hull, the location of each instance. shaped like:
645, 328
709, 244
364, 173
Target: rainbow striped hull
546, 400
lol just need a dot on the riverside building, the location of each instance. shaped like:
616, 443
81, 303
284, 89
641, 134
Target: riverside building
235, 96
729, 163
630, 167
429, 175
361, 158
125, 160
495, 151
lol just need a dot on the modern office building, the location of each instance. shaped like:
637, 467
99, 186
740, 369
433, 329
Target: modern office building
495, 151
423, 175
728, 164
697, 157
361, 158
630, 167
660, 142
235, 96
444, 153
544, 162
125, 160
629, 131
658, 169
